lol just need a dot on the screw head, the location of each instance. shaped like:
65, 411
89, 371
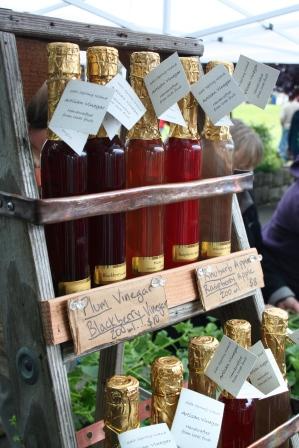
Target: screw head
10, 206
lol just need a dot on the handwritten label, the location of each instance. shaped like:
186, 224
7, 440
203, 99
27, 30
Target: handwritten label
217, 93
82, 107
167, 84
263, 376
224, 279
125, 105
115, 313
230, 366
174, 115
148, 437
256, 80
197, 421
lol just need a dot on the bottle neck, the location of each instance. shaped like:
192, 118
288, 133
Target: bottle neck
216, 133
188, 108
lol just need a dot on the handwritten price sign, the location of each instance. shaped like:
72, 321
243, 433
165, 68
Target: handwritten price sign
224, 279
116, 313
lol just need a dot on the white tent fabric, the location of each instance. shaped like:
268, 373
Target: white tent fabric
266, 30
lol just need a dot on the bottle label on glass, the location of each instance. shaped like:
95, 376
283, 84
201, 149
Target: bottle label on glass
110, 273
76, 286
146, 265
215, 249
185, 252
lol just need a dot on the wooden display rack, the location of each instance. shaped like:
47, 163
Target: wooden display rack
37, 366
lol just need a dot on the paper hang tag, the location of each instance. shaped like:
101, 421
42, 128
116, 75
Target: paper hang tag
263, 376
167, 84
82, 107
111, 125
154, 436
230, 366
75, 139
125, 105
249, 391
294, 336
283, 387
173, 115
217, 93
197, 421
256, 80
225, 121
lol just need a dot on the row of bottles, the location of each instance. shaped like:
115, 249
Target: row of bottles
244, 420
110, 248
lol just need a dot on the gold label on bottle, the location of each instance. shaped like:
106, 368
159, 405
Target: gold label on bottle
71, 287
104, 275
215, 249
185, 252
146, 265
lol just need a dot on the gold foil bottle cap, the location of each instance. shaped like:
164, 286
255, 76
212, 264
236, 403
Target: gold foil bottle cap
201, 350
228, 65
191, 67
167, 376
275, 320
63, 59
101, 64
142, 62
239, 331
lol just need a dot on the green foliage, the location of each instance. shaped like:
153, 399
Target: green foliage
292, 359
271, 160
139, 354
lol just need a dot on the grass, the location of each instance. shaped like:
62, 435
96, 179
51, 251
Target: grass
269, 116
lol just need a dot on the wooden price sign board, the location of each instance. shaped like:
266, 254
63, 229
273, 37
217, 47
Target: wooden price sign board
224, 279
117, 313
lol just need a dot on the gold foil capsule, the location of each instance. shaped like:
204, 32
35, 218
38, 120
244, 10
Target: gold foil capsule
238, 330
274, 333
167, 381
201, 351
121, 408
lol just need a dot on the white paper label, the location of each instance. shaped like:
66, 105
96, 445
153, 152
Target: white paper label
283, 387
294, 336
225, 121
167, 84
111, 125
249, 391
230, 366
263, 376
76, 140
82, 107
256, 80
197, 421
174, 115
217, 93
125, 105
148, 437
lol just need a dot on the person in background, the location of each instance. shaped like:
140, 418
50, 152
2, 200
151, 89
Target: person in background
278, 288
286, 115
294, 135
281, 240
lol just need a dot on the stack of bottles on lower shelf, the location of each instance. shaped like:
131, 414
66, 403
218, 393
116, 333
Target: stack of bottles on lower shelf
107, 249
244, 420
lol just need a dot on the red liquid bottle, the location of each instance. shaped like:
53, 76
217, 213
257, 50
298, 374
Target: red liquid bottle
238, 424
217, 161
145, 166
183, 163
106, 172
64, 173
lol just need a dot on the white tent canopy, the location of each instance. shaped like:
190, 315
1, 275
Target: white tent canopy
266, 30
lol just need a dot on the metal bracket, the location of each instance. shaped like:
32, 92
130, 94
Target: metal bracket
15, 206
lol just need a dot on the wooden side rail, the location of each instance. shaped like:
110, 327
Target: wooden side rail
279, 435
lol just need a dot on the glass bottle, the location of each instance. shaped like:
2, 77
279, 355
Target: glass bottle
275, 410
145, 166
64, 173
238, 425
121, 408
217, 160
201, 350
182, 164
167, 382
106, 172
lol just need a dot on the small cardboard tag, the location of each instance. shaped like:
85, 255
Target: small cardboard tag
173, 115
111, 125
283, 387
116, 313
75, 139
197, 421
256, 80
167, 84
294, 336
125, 105
223, 279
230, 366
263, 376
154, 436
217, 93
